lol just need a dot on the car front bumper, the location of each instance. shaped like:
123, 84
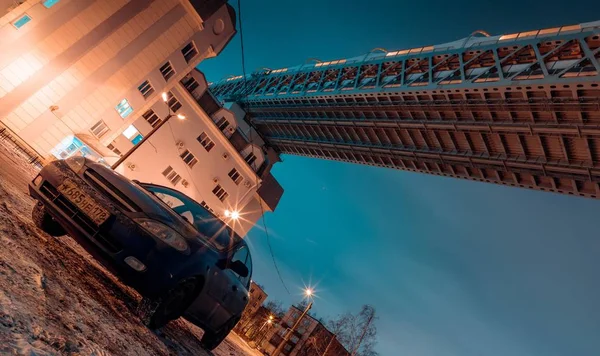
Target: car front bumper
115, 240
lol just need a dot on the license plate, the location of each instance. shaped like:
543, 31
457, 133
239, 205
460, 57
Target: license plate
83, 201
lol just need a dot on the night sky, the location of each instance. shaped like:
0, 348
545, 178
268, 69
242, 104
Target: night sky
453, 267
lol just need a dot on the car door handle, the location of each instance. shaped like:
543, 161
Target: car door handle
234, 288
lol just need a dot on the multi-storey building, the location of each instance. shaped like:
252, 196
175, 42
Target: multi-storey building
85, 77
250, 317
310, 338
212, 155
88, 66
257, 298
521, 109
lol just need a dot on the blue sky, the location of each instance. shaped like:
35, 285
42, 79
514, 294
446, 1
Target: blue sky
453, 267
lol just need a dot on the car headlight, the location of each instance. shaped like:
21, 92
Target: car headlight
75, 163
164, 233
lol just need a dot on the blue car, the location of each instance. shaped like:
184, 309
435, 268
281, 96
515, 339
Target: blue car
182, 259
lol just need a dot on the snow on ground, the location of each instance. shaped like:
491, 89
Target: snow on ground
56, 300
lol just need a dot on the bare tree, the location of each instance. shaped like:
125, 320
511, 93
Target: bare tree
276, 307
357, 332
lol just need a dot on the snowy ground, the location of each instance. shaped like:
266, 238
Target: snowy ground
56, 300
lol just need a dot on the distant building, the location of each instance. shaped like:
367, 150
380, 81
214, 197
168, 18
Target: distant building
311, 337
255, 315
85, 77
257, 298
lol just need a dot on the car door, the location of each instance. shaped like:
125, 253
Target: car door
230, 291
240, 285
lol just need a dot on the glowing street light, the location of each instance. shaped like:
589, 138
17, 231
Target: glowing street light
165, 97
308, 292
233, 214
181, 116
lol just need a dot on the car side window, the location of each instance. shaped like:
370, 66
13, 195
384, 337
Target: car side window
242, 255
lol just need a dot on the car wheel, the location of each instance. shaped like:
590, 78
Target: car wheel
210, 340
45, 222
157, 312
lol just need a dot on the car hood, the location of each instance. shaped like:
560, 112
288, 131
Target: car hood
143, 201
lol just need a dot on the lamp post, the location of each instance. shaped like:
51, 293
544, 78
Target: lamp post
262, 336
268, 321
147, 137
308, 292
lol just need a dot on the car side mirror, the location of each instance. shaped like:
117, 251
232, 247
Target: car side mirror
239, 267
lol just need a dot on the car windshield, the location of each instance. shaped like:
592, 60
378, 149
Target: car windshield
214, 230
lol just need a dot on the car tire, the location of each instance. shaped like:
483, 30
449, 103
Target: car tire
45, 222
157, 312
210, 340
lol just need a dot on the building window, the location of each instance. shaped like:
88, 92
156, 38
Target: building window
114, 149
206, 142
250, 158
146, 89
222, 124
189, 51
123, 108
171, 175
49, 3
173, 103
133, 134
22, 21
190, 83
220, 193
151, 117
167, 71
205, 206
99, 129
189, 158
294, 339
235, 176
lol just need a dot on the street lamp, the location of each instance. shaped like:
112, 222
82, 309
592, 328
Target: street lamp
308, 292
165, 98
233, 214
269, 322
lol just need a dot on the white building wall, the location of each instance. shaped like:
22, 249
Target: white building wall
150, 159
71, 64
82, 57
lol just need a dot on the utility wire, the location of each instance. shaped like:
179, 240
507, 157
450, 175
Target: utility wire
247, 104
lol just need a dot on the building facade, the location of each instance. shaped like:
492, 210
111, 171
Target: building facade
310, 338
520, 109
82, 66
257, 298
251, 316
85, 77
212, 155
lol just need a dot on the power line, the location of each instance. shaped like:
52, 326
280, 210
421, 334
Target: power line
262, 210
